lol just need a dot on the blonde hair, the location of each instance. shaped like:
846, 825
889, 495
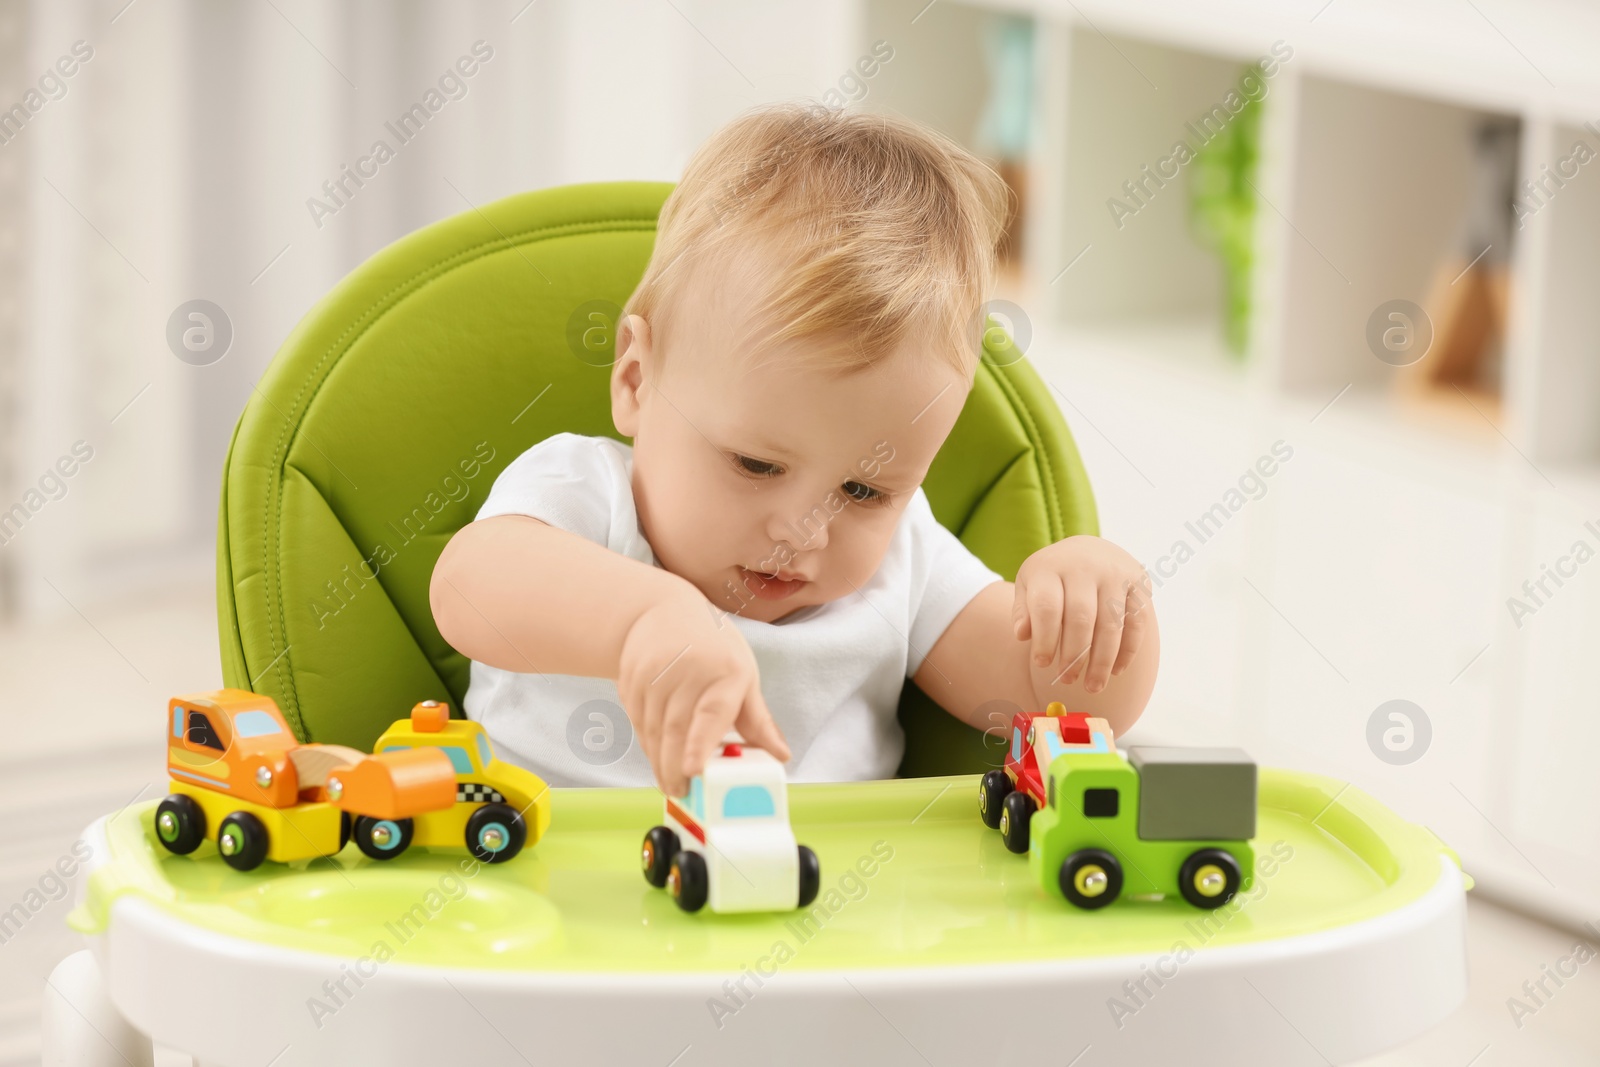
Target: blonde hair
874, 230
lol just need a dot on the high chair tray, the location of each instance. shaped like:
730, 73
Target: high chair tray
929, 943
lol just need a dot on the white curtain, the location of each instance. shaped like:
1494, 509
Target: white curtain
176, 163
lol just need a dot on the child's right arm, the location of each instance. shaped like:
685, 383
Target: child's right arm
519, 594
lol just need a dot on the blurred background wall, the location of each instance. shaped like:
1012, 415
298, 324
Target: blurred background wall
1313, 281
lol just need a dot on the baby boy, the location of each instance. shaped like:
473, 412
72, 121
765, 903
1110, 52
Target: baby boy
762, 558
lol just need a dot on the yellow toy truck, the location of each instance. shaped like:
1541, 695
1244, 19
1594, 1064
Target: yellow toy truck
239, 778
499, 808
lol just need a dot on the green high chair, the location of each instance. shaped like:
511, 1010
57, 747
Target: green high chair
377, 432
383, 420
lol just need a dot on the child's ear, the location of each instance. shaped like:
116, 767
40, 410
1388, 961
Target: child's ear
628, 373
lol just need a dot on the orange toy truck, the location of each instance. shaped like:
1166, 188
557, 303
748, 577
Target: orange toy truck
239, 778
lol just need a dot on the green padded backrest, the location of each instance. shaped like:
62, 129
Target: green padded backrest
386, 415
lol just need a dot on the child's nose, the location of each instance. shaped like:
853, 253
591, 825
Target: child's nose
803, 525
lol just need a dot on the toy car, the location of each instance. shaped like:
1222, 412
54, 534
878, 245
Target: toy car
1008, 797
239, 778
1163, 820
728, 841
499, 808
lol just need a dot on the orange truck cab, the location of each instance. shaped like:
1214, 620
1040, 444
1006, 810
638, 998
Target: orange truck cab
240, 778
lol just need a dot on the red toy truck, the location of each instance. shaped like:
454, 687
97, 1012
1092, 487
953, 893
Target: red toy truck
1007, 798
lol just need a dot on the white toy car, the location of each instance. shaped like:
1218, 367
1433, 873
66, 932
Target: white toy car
728, 842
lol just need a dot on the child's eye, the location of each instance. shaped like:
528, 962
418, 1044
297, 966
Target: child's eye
759, 467
863, 494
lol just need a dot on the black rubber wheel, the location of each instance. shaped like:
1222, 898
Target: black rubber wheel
382, 839
180, 824
344, 829
686, 880
1015, 814
1209, 878
242, 841
1091, 878
810, 876
655, 855
992, 793
495, 833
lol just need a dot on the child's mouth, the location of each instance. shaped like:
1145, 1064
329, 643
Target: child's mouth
766, 587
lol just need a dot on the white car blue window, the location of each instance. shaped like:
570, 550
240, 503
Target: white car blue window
697, 797
747, 801
255, 724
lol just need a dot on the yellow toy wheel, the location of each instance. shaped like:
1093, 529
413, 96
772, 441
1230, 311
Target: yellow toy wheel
1091, 878
1209, 878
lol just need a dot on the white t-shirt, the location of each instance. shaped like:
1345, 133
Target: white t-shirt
831, 673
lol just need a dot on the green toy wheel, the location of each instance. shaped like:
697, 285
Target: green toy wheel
992, 792
242, 841
1015, 815
180, 824
1209, 878
495, 833
382, 839
1091, 878
687, 882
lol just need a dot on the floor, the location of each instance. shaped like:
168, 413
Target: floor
45, 802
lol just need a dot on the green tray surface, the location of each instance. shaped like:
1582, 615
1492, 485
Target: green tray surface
910, 878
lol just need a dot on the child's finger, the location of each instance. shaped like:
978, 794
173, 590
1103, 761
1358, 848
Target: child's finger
1021, 625
713, 715
1045, 600
1079, 635
678, 717
635, 695
1107, 639
757, 726
1134, 628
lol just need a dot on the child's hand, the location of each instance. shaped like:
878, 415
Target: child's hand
684, 682
1080, 601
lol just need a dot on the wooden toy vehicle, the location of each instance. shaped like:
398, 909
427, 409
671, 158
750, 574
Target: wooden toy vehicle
239, 778
1007, 798
1163, 820
728, 842
499, 808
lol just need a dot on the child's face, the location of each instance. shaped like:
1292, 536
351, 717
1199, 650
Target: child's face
784, 468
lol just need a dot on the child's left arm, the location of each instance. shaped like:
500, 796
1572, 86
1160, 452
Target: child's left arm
1077, 626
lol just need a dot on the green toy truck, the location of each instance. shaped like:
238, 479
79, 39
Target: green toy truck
1096, 825
1164, 820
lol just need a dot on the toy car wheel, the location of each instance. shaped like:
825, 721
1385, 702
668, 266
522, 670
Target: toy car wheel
1015, 814
495, 833
992, 793
686, 880
655, 855
180, 824
1209, 878
382, 839
242, 841
810, 876
344, 829
1091, 878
